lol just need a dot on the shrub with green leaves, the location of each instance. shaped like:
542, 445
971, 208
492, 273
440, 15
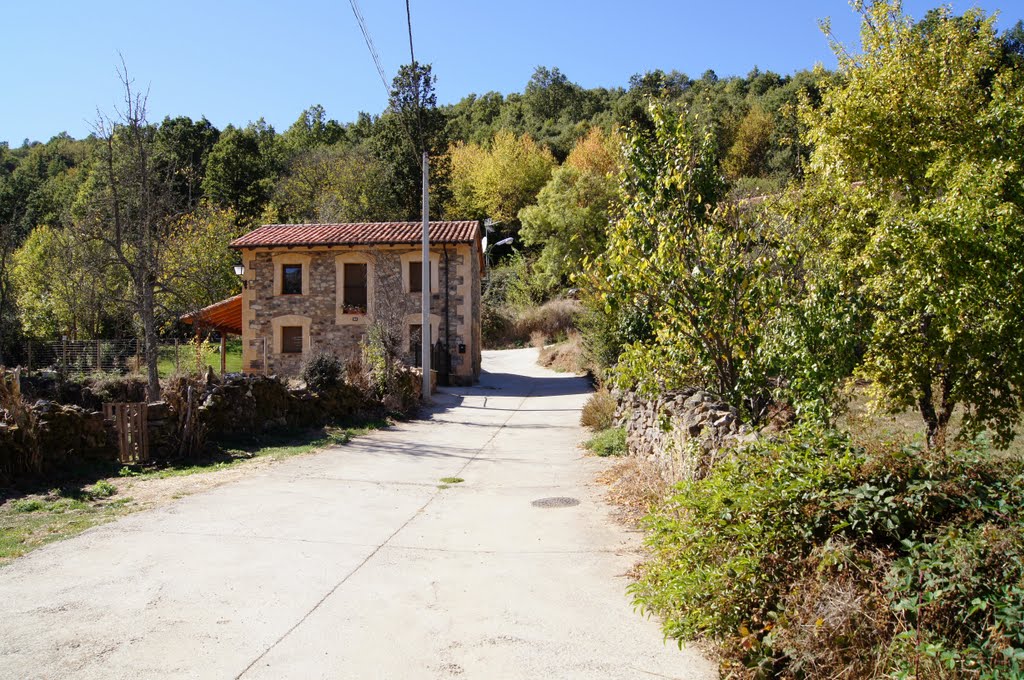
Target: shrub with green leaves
809, 554
724, 548
322, 371
610, 442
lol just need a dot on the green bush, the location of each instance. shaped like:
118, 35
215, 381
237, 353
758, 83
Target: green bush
809, 556
610, 442
101, 489
322, 371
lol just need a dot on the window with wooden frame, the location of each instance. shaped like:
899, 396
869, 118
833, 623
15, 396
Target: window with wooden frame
291, 340
416, 277
354, 296
291, 279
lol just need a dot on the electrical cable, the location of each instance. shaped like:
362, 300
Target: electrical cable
369, 44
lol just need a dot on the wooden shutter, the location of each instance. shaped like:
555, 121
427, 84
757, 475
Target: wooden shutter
355, 286
291, 339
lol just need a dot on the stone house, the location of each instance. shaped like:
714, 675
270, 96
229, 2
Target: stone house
314, 287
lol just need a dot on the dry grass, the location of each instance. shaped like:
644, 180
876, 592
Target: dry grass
599, 411
564, 357
634, 487
551, 322
839, 622
870, 427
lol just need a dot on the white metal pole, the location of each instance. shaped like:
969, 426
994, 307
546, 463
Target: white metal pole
425, 279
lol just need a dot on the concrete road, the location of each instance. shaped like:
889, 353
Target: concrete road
353, 563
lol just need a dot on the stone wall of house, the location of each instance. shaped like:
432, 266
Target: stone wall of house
683, 432
389, 302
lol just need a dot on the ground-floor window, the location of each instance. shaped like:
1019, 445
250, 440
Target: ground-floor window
291, 340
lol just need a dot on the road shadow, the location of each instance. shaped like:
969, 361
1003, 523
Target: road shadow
498, 384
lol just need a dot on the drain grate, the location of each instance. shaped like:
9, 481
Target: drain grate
556, 502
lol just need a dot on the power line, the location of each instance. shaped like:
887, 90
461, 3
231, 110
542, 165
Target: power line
380, 68
419, 85
408, 20
369, 44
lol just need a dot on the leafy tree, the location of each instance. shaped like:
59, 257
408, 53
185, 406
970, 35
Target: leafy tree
411, 126
632, 108
570, 219
333, 184
697, 267
182, 149
468, 161
474, 117
550, 95
916, 167
500, 181
80, 302
313, 129
748, 156
195, 268
241, 169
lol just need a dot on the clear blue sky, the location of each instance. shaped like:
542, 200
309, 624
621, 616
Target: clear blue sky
236, 61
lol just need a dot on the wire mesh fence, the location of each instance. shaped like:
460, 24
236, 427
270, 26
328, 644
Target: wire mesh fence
82, 357
71, 357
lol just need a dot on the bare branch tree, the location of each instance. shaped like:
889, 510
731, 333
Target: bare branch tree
133, 210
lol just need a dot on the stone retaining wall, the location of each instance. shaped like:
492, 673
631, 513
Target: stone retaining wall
48, 435
683, 432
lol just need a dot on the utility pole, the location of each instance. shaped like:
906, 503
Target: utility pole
425, 281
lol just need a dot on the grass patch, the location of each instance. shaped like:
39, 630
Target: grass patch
33, 520
452, 480
186, 358
30, 522
506, 327
238, 450
610, 442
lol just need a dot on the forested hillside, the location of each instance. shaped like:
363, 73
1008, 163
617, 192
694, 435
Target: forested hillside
493, 154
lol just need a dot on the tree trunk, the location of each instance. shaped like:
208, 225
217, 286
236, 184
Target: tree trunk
936, 421
927, 406
150, 346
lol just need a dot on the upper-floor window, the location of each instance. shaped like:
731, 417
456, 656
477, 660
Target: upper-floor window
416, 277
291, 279
354, 296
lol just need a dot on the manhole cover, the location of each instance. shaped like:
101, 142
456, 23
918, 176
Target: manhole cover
556, 502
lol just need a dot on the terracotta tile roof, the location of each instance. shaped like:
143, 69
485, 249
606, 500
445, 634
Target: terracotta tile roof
358, 233
224, 316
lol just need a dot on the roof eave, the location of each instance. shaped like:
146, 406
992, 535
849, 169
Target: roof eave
329, 244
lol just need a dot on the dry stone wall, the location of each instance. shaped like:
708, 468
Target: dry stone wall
44, 437
683, 432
